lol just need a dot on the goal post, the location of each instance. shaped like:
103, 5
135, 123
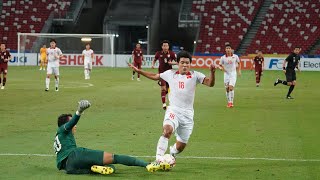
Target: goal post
68, 43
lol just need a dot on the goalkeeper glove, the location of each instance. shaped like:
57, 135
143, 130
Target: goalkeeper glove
83, 105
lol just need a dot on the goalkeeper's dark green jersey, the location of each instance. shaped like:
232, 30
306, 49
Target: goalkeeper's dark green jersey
64, 142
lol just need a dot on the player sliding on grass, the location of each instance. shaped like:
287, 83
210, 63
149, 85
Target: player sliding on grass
230, 64
293, 62
179, 115
76, 160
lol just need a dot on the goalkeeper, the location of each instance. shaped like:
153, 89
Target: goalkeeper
77, 160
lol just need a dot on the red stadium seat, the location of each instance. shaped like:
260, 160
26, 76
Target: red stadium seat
295, 26
223, 21
20, 16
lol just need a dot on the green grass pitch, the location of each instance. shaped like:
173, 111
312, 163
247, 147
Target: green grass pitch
126, 118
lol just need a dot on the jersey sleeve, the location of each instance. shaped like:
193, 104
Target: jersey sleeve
237, 59
289, 57
59, 52
83, 52
221, 61
200, 77
9, 55
69, 125
166, 75
157, 56
174, 56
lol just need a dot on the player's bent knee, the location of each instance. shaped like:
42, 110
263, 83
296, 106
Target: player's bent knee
167, 131
230, 88
163, 88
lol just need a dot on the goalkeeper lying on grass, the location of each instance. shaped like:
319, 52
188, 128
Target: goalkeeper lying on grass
76, 160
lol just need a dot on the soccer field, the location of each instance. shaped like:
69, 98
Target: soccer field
265, 136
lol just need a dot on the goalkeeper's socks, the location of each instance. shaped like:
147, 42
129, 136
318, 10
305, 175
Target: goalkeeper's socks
47, 83
162, 147
128, 161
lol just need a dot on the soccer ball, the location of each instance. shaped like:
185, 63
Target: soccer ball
168, 158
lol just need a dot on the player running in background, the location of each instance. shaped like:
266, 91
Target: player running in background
258, 65
137, 57
5, 56
178, 118
88, 57
230, 64
293, 62
77, 160
43, 58
54, 54
166, 60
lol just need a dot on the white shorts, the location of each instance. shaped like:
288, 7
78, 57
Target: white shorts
53, 70
87, 64
230, 79
182, 123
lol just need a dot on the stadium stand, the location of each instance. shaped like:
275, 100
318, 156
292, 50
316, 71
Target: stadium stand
222, 22
27, 16
287, 24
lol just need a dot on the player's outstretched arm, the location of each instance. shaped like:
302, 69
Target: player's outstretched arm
147, 74
82, 105
211, 80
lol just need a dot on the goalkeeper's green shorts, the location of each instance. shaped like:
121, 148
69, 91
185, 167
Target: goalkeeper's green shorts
80, 160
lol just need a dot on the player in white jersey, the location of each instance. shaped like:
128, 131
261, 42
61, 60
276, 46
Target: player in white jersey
87, 56
178, 118
53, 54
230, 64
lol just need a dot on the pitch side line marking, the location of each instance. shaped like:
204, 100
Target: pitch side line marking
189, 157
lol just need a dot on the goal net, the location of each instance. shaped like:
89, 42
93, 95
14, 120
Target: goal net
71, 45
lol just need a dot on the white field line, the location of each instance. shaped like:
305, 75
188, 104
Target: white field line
190, 157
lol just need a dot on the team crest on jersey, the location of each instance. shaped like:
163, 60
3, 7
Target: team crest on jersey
168, 55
